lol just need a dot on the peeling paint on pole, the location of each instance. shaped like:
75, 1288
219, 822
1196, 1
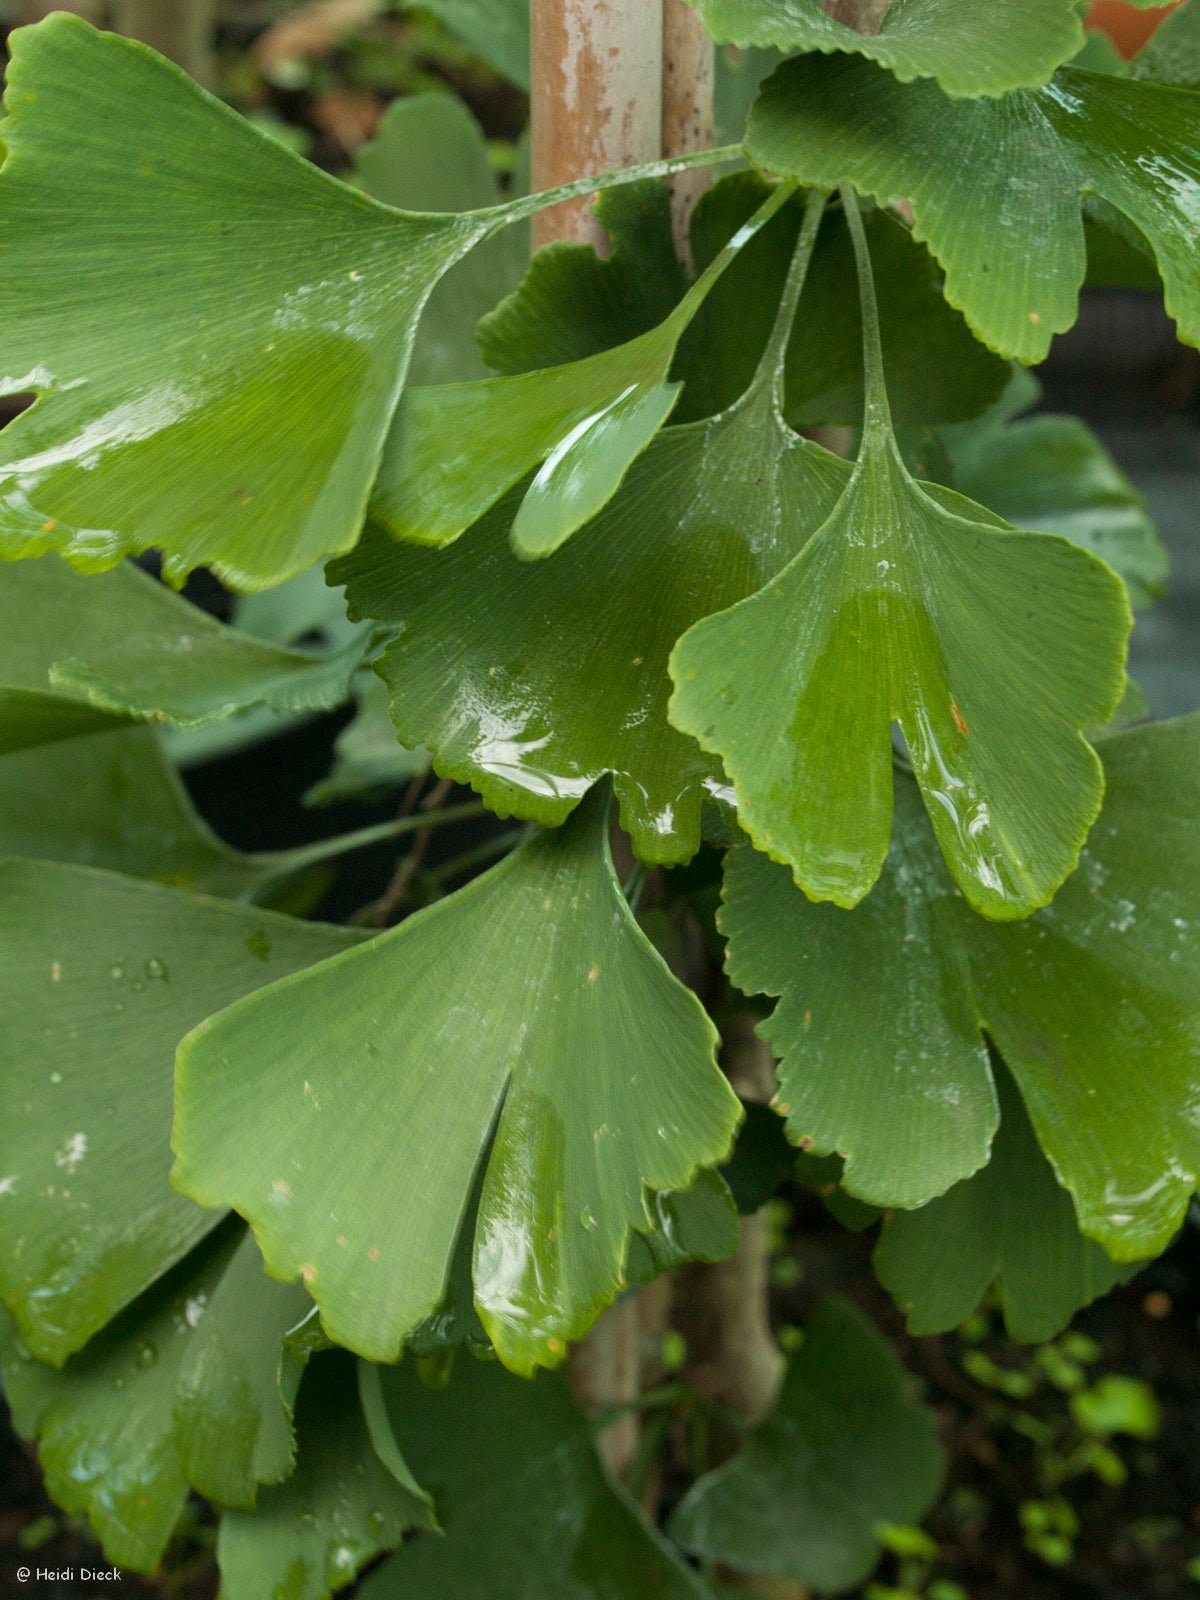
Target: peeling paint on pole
597, 97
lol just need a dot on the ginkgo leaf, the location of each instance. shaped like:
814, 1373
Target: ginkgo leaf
530, 681
845, 1449
1091, 1004
1053, 475
429, 154
833, 1073
313, 1534
515, 982
121, 642
105, 1425
456, 449
972, 47
992, 649
100, 979
1012, 1225
237, 1382
545, 1520
238, 420
995, 185
575, 303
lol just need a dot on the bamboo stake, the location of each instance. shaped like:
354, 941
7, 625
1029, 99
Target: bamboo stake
689, 71
597, 99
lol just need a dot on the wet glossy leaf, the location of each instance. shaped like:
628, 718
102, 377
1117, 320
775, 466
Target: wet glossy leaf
455, 449
237, 422
991, 648
1091, 1003
1053, 475
128, 645
995, 186
695, 1224
521, 1496
1012, 1225
313, 1534
105, 1424
530, 681
101, 977
972, 47
845, 1449
577, 303
834, 1075
358, 1175
430, 155
573, 303
237, 1383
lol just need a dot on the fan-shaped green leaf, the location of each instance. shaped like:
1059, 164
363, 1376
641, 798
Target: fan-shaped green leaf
456, 449
995, 186
78, 654
398, 1060
540, 1519
531, 681
575, 303
845, 1449
100, 979
972, 47
1091, 1003
1053, 475
1011, 1224
237, 1382
105, 1424
238, 420
313, 1534
835, 1078
430, 154
990, 648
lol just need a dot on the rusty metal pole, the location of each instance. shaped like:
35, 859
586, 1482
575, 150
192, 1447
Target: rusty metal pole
597, 71
597, 98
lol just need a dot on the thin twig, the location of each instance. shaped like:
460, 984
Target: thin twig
379, 913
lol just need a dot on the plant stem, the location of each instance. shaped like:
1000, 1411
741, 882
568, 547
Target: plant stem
284, 863
771, 368
585, 188
877, 411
